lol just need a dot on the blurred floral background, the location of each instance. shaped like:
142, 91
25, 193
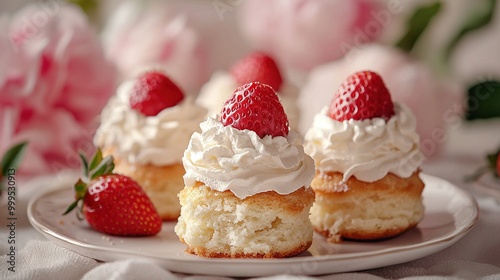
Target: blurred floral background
60, 61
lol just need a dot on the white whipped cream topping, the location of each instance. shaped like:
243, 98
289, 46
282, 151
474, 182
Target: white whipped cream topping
158, 140
221, 85
225, 158
367, 149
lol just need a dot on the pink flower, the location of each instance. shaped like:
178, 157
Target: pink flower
54, 81
437, 105
151, 34
303, 34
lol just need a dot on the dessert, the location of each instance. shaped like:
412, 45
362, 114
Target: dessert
255, 67
367, 158
247, 179
409, 81
113, 203
146, 128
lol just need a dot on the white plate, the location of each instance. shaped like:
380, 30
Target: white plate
450, 213
488, 185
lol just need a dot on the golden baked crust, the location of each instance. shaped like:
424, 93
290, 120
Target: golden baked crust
365, 211
293, 203
204, 252
328, 183
217, 224
161, 183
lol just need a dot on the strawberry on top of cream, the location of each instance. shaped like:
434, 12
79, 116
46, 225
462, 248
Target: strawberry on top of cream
363, 133
155, 139
249, 148
257, 67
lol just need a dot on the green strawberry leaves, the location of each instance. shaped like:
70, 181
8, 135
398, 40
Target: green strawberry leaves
96, 159
104, 167
98, 166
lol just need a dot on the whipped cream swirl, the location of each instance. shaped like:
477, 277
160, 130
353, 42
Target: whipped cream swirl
158, 140
221, 85
367, 149
225, 158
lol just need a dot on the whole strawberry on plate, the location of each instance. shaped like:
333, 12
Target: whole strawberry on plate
113, 203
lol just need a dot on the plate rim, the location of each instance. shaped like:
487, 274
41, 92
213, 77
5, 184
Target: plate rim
442, 241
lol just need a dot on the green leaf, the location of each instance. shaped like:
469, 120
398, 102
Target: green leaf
71, 207
483, 100
478, 18
417, 24
96, 159
106, 166
85, 164
80, 191
109, 168
12, 157
79, 209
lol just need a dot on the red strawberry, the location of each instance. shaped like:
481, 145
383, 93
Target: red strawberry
153, 92
256, 107
257, 67
113, 203
362, 96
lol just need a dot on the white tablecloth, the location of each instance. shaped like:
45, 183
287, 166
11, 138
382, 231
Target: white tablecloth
476, 256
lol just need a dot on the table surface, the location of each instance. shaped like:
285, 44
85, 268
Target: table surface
474, 256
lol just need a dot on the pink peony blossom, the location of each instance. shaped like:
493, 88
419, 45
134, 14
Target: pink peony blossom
152, 34
54, 81
303, 34
437, 105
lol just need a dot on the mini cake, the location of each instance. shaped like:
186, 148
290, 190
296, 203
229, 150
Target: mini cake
247, 179
146, 128
367, 158
255, 67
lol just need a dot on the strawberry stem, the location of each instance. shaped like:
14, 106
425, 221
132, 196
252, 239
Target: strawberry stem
80, 189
